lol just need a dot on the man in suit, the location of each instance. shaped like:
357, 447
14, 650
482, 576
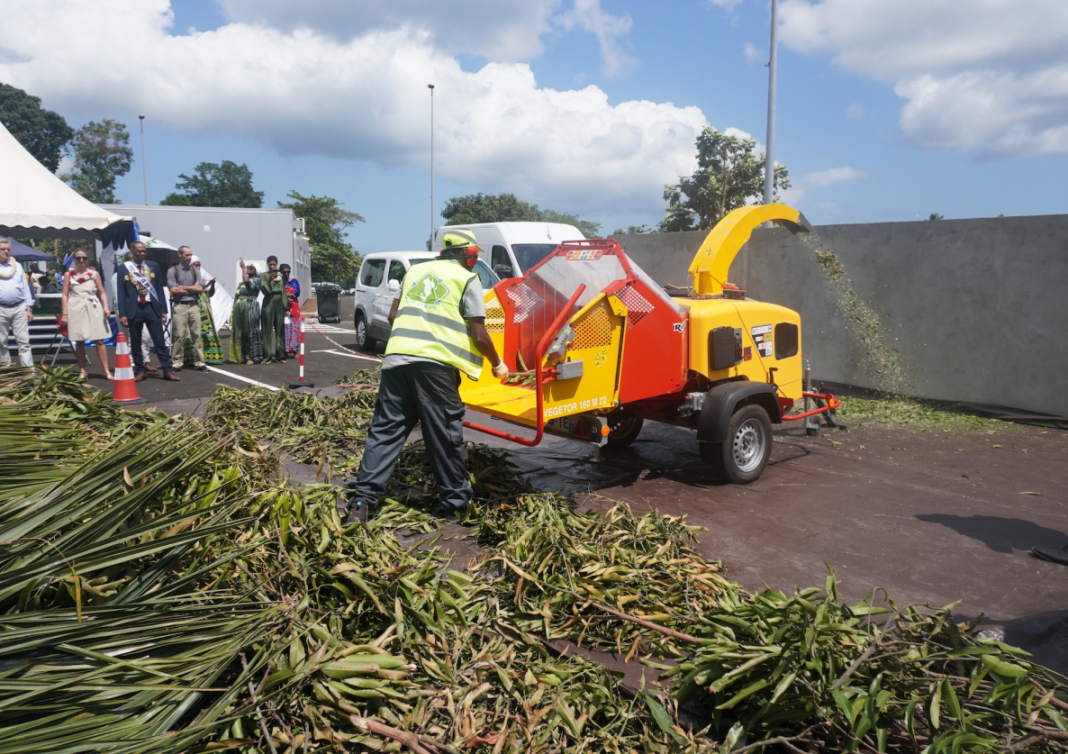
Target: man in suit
139, 285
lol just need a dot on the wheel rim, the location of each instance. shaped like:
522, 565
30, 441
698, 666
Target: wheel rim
749, 442
622, 426
361, 333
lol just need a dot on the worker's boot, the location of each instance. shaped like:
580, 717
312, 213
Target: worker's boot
357, 509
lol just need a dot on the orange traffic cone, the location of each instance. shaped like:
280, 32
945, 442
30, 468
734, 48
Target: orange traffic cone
125, 387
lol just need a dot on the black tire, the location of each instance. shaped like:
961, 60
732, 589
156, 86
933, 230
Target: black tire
812, 431
364, 341
623, 429
742, 458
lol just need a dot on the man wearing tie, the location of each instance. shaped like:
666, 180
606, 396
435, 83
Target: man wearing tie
139, 285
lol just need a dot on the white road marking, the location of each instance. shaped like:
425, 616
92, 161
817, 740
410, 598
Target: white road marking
343, 353
243, 379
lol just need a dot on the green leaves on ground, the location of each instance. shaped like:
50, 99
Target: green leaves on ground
163, 591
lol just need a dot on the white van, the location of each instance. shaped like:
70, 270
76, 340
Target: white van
380, 277
511, 249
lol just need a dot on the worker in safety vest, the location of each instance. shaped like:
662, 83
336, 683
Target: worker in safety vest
439, 330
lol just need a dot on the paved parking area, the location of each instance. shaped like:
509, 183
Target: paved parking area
931, 517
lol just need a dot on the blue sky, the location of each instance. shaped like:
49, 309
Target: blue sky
888, 110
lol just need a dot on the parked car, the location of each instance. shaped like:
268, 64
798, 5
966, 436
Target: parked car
512, 249
380, 277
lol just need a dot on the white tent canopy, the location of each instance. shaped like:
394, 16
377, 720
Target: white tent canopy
35, 203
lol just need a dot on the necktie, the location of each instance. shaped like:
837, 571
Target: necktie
140, 296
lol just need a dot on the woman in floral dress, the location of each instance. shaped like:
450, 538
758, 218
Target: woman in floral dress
209, 338
85, 309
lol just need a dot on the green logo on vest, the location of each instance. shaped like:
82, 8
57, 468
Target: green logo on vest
429, 290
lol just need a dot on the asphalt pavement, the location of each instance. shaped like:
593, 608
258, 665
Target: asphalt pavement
931, 517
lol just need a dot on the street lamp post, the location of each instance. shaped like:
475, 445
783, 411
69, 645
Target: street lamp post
769, 154
144, 167
431, 87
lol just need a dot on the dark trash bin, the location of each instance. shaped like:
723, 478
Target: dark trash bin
329, 302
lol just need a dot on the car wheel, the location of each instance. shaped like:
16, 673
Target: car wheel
623, 429
363, 339
742, 458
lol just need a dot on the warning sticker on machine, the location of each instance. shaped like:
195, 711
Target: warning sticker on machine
760, 330
579, 255
764, 348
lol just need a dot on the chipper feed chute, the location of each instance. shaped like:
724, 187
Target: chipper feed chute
584, 331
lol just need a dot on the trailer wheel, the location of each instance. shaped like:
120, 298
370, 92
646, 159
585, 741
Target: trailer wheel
742, 458
363, 340
623, 429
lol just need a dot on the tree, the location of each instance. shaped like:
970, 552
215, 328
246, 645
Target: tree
589, 228
937, 216
729, 175
488, 208
42, 132
325, 224
101, 153
632, 230
503, 208
225, 184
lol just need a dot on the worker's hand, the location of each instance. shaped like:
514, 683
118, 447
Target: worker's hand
501, 371
164, 319
124, 322
29, 314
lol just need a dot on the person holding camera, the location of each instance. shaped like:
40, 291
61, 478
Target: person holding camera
273, 312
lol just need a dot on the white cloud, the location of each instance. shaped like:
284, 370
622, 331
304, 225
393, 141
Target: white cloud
727, 5
500, 30
987, 76
303, 92
588, 15
754, 54
834, 175
855, 111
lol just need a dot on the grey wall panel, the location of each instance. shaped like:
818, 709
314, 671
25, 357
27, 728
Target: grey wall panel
976, 308
221, 236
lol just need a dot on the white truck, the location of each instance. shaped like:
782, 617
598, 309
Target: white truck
510, 249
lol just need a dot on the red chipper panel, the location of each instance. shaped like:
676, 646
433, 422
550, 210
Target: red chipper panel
655, 348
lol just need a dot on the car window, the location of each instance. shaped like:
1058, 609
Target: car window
397, 270
485, 275
529, 254
371, 274
499, 256
420, 260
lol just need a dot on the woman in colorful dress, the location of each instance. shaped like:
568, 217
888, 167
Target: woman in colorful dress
85, 310
246, 334
294, 316
209, 337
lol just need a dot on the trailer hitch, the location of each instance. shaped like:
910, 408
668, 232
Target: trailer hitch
826, 404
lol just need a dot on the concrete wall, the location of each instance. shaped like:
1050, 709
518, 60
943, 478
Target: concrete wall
222, 235
976, 308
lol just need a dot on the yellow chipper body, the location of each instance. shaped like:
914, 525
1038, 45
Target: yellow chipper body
596, 347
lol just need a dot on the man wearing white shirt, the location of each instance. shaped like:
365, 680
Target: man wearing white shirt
16, 307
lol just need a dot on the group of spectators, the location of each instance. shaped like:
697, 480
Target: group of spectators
182, 334
259, 333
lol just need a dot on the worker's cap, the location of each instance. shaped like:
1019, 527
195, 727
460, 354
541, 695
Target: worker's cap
458, 239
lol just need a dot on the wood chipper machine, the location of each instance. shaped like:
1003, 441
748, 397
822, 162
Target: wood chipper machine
596, 347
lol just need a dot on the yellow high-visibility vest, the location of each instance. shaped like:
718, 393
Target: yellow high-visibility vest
428, 322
